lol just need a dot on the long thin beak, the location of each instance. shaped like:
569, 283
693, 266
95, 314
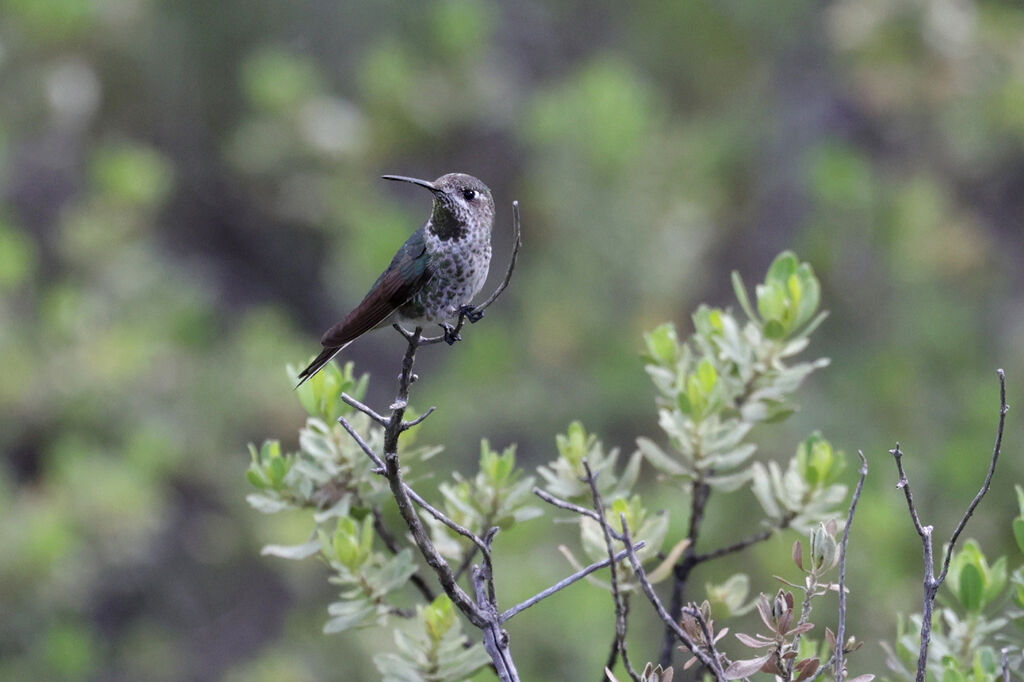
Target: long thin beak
416, 181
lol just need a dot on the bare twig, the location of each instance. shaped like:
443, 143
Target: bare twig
401, 493
931, 582
841, 626
474, 313
700, 492
568, 506
670, 622
365, 409
416, 497
418, 420
1006, 663
565, 582
374, 457
1003, 409
621, 606
388, 538
443, 518
931, 586
805, 615
746, 542
495, 638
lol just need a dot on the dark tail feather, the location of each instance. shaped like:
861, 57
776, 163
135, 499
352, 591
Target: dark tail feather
321, 360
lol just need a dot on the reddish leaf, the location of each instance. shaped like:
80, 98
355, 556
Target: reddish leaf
765, 611
745, 668
753, 642
772, 667
784, 622
800, 629
806, 668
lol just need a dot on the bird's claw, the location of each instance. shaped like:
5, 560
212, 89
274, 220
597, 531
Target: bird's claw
471, 313
450, 334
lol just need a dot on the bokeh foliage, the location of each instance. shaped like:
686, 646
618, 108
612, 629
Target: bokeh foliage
189, 199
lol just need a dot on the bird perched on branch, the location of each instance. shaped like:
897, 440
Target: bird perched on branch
435, 274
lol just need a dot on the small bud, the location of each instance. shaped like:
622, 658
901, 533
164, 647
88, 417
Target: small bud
823, 549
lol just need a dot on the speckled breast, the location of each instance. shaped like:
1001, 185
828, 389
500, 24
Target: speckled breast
460, 268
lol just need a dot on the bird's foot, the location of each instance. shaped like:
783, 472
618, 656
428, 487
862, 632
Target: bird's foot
399, 405
471, 313
450, 335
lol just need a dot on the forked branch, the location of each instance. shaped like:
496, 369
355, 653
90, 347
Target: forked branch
932, 583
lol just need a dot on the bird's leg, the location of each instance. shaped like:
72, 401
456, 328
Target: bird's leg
471, 313
450, 334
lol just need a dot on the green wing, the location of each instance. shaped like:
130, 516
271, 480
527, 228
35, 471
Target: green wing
408, 272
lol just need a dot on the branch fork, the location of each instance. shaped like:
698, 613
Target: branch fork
931, 582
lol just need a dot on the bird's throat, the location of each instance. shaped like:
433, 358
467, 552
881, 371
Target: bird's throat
446, 226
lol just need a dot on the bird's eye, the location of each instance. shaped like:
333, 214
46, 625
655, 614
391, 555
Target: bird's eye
469, 194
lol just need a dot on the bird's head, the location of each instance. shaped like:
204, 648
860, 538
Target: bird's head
460, 202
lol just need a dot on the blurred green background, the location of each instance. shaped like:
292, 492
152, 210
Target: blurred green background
189, 196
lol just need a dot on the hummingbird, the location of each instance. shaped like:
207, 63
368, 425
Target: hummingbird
435, 274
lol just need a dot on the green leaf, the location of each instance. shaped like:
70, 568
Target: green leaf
971, 588
349, 614
1018, 532
784, 265
659, 459
302, 551
439, 617
811, 294
277, 471
663, 344
740, 290
951, 672
708, 376
995, 581
266, 504
774, 330
256, 478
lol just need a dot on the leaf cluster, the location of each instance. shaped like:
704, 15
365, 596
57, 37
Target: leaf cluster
730, 376
435, 650
498, 495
